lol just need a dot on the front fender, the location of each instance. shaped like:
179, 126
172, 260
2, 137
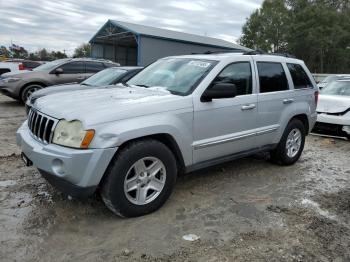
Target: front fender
178, 125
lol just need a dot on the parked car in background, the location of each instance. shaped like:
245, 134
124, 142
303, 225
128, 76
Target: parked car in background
21, 85
330, 79
333, 110
102, 79
27, 64
17, 65
177, 115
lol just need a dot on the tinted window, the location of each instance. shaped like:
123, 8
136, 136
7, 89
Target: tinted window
30, 64
93, 67
299, 76
73, 68
239, 74
272, 77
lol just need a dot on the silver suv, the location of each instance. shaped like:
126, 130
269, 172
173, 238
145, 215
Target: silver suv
178, 115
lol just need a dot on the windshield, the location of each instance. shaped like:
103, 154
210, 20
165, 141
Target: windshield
50, 65
105, 77
339, 88
177, 75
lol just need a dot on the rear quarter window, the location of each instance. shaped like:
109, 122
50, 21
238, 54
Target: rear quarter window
299, 76
272, 77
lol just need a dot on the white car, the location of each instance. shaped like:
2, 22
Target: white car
330, 79
333, 109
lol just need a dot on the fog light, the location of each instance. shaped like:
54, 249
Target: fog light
346, 129
58, 167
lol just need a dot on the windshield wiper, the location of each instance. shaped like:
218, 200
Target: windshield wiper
85, 84
142, 86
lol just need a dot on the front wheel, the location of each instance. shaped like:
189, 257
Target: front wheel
140, 179
29, 90
291, 145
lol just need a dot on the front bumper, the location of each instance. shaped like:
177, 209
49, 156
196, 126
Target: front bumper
9, 89
333, 124
75, 172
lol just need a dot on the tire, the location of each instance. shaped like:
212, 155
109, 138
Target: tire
281, 155
28, 90
127, 166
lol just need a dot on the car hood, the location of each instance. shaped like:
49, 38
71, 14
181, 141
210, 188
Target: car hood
333, 104
56, 89
96, 106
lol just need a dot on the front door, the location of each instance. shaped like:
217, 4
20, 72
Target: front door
226, 126
73, 72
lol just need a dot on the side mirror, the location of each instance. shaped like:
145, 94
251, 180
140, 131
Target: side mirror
58, 71
219, 90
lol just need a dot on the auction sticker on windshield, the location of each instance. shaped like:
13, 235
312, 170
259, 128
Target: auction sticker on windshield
199, 64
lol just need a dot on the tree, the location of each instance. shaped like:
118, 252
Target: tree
317, 31
18, 51
265, 29
84, 50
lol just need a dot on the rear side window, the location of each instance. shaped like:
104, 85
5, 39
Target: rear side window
93, 67
272, 77
239, 74
299, 76
73, 68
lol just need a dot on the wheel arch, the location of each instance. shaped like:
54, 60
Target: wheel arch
31, 83
167, 140
304, 119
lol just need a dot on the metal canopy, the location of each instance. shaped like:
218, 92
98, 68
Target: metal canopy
118, 30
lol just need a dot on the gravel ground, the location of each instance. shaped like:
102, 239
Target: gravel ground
246, 210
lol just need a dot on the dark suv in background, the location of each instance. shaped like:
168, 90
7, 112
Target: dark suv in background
71, 70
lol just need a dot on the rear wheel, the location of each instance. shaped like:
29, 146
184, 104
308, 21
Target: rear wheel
140, 179
291, 145
29, 90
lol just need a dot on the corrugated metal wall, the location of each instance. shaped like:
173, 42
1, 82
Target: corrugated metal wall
152, 49
123, 55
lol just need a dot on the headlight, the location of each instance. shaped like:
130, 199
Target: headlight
11, 79
72, 134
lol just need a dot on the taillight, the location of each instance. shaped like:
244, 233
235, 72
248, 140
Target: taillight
316, 97
21, 66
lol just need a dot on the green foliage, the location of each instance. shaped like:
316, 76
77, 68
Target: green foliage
84, 50
44, 55
317, 31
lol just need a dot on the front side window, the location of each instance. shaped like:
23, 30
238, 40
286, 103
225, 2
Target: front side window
177, 75
240, 74
299, 76
73, 68
272, 77
93, 67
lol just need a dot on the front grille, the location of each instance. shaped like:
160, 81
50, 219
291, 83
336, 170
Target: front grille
41, 126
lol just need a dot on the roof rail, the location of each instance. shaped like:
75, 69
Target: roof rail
260, 52
218, 52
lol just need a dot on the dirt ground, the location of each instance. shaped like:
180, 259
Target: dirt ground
246, 210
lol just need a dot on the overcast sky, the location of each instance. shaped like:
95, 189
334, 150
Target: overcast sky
59, 25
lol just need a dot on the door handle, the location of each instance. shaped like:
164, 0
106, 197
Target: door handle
81, 78
288, 101
248, 107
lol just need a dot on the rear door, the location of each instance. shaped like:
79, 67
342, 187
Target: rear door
275, 100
